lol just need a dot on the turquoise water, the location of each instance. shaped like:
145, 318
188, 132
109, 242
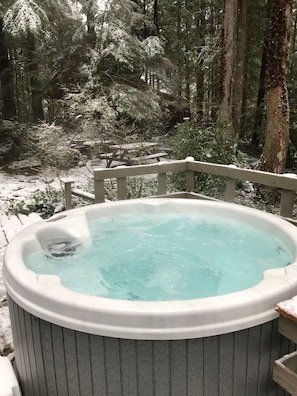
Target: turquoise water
162, 257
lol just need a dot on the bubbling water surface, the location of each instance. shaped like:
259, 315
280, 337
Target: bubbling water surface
166, 256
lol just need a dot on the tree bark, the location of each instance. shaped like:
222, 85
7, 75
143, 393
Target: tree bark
156, 17
240, 66
199, 73
90, 14
228, 56
6, 80
273, 158
179, 46
293, 46
199, 94
36, 97
259, 113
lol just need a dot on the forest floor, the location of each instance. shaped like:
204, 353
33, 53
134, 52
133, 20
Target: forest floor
19, 187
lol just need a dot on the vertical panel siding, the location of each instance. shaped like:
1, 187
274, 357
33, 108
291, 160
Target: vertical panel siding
162, 368
112, 366
264, 362
179, 367
71, 362
98, 365
84, 364
195, 367
129, 367
20, 356
210, 366
59, 358
240, 364
226, 364
253, 360
31, 354
144, 364
40, 378
54, 361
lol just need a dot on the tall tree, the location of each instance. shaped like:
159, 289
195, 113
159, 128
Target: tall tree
199, 72
32, 25
6, 80
35, 83
259, 113
273, 158
24, 20
240, 66
228, 59
90, 9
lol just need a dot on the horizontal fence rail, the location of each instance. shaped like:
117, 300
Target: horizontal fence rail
287, 183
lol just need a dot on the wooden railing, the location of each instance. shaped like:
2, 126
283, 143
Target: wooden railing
287, 183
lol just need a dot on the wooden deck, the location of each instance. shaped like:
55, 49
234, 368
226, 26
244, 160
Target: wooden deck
11, 225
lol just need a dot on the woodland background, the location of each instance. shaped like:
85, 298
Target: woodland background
218, 76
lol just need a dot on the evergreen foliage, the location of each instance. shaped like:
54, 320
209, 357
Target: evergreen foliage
97, 67
25, 16
206, 144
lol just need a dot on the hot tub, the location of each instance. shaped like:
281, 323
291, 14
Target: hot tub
68, 343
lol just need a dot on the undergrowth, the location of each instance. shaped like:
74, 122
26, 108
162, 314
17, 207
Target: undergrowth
50, 201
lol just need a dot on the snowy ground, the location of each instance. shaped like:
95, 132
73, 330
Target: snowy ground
20, 187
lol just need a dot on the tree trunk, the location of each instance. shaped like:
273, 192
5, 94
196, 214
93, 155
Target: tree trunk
199, 94
187, 54
275, 150
36, 97
6, 80
179, 47
259, 113
90, 15
293, 46
187, 80
199, 73
240, 66
156, 17
228, 55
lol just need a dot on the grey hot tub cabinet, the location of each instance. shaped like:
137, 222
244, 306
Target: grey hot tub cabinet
55, 361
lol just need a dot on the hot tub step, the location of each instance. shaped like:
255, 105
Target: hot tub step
288, 328
285, 372
8, 382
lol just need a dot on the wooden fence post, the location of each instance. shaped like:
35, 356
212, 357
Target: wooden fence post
288, 199
121, 188
99, 189
161, 183
67, 187
190, 185
230, 187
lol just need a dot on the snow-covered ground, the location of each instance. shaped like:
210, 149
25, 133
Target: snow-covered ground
20, 187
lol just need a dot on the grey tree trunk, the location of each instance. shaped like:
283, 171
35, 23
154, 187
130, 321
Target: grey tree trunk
36, 97
240, 66
228, 57
275, 150
6, 80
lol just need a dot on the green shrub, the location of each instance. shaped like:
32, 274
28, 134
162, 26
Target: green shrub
207, 145
137, 187
50, 201
46, 203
